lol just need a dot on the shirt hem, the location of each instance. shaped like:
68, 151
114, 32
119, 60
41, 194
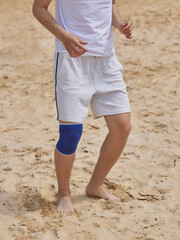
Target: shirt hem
87, 53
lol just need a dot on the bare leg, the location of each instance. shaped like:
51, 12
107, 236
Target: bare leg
112, 147
63, 164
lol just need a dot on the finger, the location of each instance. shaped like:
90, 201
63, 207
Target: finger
74, 53
129, 24
77, 55
131, 28
84, 43
127, 31
81, 53
124, 25
81, 47
129, 36
78, 49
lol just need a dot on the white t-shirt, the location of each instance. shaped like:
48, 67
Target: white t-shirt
90, 20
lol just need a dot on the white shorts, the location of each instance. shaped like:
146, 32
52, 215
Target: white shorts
88, 80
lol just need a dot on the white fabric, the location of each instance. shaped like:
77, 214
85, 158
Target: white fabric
88, 80
90, 20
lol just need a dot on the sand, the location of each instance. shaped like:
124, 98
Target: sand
147, 175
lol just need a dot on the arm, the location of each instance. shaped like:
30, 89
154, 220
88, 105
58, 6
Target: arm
125, 27
117, 21
71, 42
41, 13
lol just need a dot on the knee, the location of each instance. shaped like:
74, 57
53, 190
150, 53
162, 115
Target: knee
69, 138
121, 129
127, 128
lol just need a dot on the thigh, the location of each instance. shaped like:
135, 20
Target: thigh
73, 88
111, 96
67, 122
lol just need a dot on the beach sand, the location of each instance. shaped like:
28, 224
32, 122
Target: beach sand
147, 175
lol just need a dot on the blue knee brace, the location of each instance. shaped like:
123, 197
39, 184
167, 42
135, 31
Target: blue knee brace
70, 135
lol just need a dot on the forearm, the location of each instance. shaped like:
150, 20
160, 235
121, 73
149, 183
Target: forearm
47, 20
116, 18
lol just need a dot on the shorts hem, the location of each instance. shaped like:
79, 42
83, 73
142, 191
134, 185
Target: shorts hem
111, 113
70, 120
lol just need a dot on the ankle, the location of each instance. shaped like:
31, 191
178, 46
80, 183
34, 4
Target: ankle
64, 193
95, 184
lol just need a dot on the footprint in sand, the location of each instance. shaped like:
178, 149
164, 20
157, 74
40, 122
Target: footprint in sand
4, 149
86, 170
118, 190
8, 169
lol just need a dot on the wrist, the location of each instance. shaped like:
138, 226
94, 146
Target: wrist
65, 36
121, 23
118, 23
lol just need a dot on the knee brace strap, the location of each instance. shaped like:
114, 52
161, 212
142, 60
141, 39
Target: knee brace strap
70, 135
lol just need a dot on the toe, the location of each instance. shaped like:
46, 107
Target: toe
117, 200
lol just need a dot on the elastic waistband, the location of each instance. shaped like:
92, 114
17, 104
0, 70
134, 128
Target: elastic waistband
85, 55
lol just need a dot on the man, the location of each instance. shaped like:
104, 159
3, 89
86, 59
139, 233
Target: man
86, 71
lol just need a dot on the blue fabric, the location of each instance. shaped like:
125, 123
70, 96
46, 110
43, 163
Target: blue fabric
70, 135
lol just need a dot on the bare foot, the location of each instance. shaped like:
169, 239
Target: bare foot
64, 206
100, 191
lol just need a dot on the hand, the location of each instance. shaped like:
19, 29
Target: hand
73, 45
126, 28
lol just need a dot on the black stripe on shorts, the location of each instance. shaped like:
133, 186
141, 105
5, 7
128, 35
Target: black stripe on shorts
57, 60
